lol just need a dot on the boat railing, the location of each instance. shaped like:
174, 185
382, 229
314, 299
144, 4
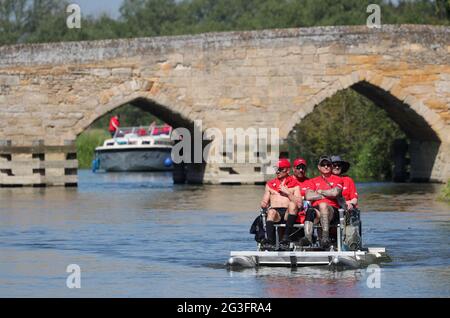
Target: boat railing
142, 131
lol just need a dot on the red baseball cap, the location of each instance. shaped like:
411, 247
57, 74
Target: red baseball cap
283, 163
299, 161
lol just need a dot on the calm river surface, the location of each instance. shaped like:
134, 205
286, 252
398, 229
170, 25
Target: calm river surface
138, 235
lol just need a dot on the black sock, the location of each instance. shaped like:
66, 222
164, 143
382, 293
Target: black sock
289, 226
270, 232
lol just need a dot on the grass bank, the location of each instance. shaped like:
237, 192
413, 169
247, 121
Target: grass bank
445, 195
86, 144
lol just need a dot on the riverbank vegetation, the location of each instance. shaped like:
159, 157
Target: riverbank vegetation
350, 125
346, 124
445, 195
86, 144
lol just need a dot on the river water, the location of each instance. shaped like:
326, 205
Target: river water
138, 235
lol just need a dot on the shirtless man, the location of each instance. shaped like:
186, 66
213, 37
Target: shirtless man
279, 199
323, 192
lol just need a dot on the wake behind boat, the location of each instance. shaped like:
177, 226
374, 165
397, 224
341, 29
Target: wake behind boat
136, 149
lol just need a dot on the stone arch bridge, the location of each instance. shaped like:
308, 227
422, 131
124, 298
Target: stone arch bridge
50, 93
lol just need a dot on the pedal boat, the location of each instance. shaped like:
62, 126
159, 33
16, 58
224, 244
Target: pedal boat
337, 256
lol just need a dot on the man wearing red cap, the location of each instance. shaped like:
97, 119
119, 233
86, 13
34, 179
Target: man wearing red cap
305, 216
299, 178
279, 199
323, 192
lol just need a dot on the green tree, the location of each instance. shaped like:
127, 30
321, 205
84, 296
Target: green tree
442, 8
13, 20
352, 126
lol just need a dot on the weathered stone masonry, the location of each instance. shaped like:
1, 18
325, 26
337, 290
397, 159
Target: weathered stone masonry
50, 93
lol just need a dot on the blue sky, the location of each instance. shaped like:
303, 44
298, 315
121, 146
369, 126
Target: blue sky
111, 7
96, 7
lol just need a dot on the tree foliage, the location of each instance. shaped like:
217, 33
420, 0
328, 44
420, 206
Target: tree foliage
350, 125
26, 21
130, 116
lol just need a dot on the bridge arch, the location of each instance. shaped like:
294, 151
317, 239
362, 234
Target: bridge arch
149, 97
139, 93
425, 129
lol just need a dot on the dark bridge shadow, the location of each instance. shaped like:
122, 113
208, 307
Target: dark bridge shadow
192, 173
425, 143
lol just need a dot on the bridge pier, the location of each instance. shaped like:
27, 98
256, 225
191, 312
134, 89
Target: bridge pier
220, 174
429, 161
249, 173
37, 165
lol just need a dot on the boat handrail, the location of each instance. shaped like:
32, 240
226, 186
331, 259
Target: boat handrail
144, 131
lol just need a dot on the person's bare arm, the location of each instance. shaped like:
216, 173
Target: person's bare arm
266, 198
332, 193
311, 195
288, 192
298, 196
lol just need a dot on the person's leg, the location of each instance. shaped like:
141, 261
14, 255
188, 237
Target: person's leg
325, 218
311, 215
290, 217
272, 217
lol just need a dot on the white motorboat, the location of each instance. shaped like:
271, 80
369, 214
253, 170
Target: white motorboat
136, 149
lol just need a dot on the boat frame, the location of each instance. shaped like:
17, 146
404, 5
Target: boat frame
310, 256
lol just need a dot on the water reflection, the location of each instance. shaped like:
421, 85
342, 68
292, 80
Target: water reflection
303, 282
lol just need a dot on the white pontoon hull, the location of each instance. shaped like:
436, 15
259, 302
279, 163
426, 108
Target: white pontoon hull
307, 258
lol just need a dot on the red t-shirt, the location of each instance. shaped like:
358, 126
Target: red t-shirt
293, 181
275, 184
319, 183
349, 190
303, 185
115, 121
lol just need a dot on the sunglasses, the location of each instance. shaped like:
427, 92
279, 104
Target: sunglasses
325, 165
336, 165
301, 167
279, 170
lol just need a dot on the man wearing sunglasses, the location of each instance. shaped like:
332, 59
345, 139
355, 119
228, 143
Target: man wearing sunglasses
323, 192
340, 167
306, 216
278, 199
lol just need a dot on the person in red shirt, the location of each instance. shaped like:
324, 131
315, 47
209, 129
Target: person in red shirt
278, 199
114, 124
299, 177
306, 216
323, 192
340, 167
